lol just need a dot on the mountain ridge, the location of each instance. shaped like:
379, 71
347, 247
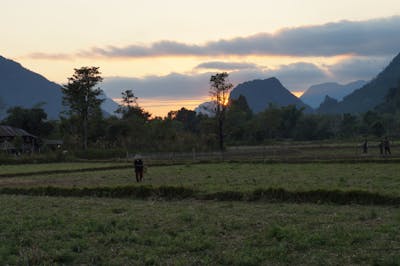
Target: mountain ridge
261, 93
371, 94
315, 94
20, 86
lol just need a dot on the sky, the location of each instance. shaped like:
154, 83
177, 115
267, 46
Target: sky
166, 51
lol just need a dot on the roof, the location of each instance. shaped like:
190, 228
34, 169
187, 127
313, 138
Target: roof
7, 131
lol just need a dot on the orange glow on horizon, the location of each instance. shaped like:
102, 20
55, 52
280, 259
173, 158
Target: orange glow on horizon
297, 93
59, 70
161, 106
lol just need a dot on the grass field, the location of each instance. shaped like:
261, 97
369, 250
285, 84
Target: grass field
30, 169
39, 230
42, 230
373, 177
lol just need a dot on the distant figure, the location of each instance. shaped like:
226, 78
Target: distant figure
365, 146
386, 146
381, 147
139, 166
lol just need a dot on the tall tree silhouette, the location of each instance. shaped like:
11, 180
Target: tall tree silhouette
219, 91
82, 98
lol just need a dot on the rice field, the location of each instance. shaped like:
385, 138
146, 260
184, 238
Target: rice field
129, 230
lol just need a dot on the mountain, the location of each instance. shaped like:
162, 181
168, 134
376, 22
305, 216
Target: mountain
109, 106
22, 87
261, 93
327, 105
371, 94
207, 108
316, 93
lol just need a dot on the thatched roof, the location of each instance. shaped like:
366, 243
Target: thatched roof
7, 131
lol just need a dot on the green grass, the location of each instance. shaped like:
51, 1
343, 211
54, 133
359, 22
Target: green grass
45, 230
35, 168
85, 230
210, 178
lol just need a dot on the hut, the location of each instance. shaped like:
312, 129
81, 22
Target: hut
16, 140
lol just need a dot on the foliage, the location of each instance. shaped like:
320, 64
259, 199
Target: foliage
83, 99
100, 153
219, 91
185, 130
33, 120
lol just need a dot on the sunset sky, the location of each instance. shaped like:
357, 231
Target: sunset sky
165, 51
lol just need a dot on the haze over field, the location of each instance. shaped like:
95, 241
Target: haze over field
166, 51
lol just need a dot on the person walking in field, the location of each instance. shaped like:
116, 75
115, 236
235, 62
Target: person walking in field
386, 145
365, 146
139, 167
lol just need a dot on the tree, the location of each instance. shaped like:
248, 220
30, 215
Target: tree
188, 118
348, 125
82, 98
219, 91
290, 116
129, 101
130, 108
238, 116
32, 120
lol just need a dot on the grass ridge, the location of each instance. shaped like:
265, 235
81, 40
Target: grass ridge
65, 171
179, 192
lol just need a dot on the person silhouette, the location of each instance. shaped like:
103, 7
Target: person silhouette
139, 166
365, 146
386, 146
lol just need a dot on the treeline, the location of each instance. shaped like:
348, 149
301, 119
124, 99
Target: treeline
84, 125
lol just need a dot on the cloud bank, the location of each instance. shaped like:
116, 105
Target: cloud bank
367, 38
376, 37
226, 65
295, 77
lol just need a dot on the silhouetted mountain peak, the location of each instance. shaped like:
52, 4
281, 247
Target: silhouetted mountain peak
21, 87
261, 93
314, 95
371, 94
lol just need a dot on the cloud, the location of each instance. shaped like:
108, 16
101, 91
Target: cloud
295, 77
184, 86
358, 68
226, 65
173, 86
49, 56
299, 76
374, 37
371, 37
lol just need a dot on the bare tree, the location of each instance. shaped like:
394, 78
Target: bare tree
219, 92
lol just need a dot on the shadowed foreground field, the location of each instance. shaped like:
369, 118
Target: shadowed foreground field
46, 230
92, 230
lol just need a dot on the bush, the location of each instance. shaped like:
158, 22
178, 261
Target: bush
100, 153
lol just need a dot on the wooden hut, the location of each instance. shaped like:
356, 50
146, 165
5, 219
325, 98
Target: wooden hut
17, 140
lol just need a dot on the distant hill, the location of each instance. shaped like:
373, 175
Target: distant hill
22, 87
328, 105
371, 94
315, 95
207, 108
261, 93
